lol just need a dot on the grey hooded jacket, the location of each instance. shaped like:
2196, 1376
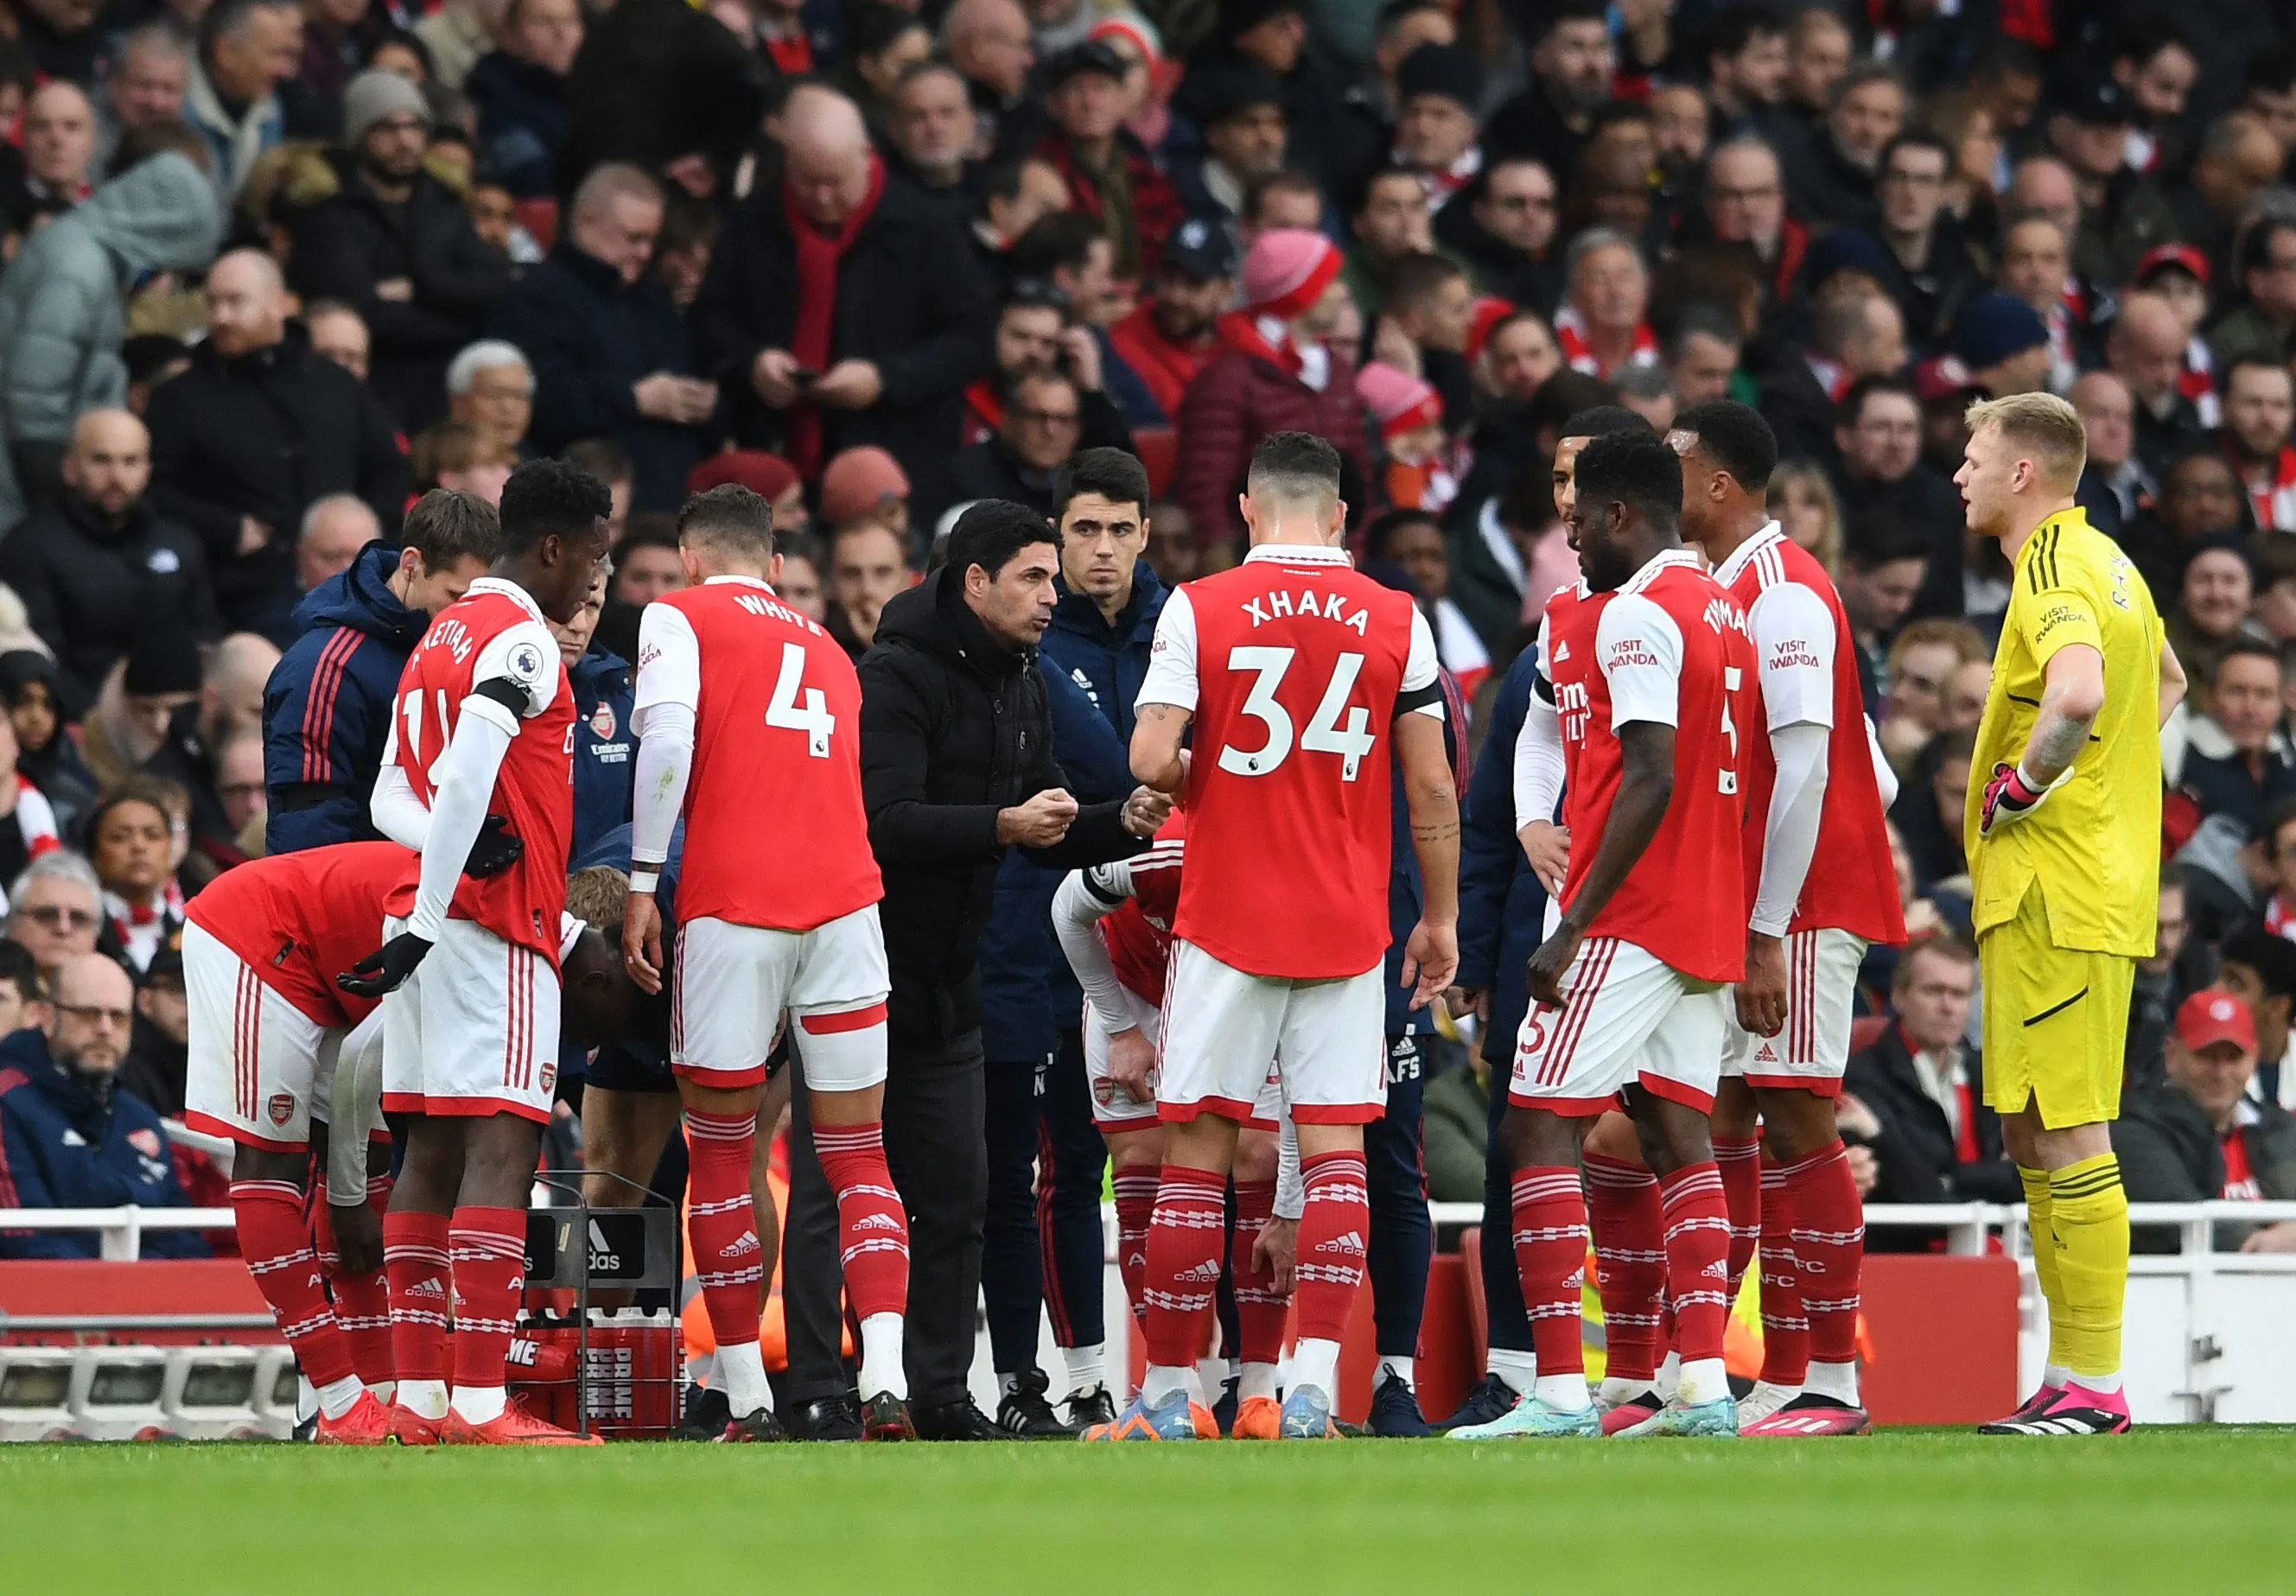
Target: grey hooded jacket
62, 311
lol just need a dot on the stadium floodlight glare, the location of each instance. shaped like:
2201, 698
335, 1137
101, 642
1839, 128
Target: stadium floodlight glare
36, 1393
208, 1394
116, 1391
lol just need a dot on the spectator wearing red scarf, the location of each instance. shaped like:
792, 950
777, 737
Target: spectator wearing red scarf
1168, 338
844, 307
1274, 373
1111, 176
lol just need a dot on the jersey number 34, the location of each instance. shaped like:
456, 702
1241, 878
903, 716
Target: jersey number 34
1325, 734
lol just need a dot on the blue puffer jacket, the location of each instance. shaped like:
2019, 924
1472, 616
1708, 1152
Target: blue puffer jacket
1020, 1012
1502, 907
1405, 891
1109, 662
327, 707
605, 753
63, 1145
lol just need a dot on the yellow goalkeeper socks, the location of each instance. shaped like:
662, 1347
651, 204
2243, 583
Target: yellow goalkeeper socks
2089, 1217
2045, 1261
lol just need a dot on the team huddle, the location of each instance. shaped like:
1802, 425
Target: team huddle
1696, 785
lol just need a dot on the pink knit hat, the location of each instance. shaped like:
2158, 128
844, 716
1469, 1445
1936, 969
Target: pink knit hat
1400, 402
768, 476
1287, 271
856, 481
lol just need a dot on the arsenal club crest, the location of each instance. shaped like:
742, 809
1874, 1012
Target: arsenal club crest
602, 722
281, 1106
549, 1077
145, 1141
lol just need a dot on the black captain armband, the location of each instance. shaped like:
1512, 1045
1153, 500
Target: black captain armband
502, 691
1414, 698
1540, 685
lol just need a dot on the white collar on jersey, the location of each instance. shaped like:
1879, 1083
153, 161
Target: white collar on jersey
737, 576
1728, 572
1300, 553
509, 590
1664, 559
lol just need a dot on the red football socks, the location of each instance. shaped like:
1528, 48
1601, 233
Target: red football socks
1697, 1258
721, 1223
1135, 1202
1629, 1228
1333, 1227
1740, 1163
1785, 1327
1829, 1248
1186, 1234
421, 1290
1259, 1312
486, 1248
872, 1227
275, 1239
1550, 1254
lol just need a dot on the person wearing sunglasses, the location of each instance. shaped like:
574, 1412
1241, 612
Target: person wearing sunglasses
55, 910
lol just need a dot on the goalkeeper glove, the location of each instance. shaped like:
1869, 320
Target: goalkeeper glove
2007, 795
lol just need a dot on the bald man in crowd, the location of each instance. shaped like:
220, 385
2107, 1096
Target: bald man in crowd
256, 430
608, 350
97, 564
2146, 349
881, 354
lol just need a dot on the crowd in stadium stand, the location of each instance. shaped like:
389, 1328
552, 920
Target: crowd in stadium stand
276, 267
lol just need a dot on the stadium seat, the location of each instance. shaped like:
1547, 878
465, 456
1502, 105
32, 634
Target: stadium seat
36, 1386
1159, 449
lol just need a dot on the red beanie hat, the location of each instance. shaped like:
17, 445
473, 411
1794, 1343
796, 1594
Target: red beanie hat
1398, 400
768, 476
1489, 311
854, 483
1287, 271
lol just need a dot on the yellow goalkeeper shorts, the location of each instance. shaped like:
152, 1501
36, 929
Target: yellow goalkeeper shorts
2056, 1022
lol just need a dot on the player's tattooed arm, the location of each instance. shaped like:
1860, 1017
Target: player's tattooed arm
2069, 704
1158, 759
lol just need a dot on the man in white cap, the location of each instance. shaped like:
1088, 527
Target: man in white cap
393, 242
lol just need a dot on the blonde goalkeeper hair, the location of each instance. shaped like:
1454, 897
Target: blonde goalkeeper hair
2044, 425
597, 895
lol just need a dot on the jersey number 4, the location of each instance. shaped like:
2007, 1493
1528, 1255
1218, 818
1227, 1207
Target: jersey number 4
1325, 733
796, 708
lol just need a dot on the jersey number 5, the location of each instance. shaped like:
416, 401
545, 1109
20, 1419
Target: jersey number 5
1325, 733
810, 716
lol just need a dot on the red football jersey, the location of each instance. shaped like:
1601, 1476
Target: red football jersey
1294, 663
776, 749
1670, 646
494, 633
300, 919
1138, 934
1808, 669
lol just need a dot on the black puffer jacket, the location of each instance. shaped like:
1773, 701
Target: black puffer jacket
263, 435
350, 241
955, 726
92, 586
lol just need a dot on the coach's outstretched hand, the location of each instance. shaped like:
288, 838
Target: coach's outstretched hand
497, 849
385, 970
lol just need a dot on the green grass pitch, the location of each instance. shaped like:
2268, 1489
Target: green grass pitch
1945, 1514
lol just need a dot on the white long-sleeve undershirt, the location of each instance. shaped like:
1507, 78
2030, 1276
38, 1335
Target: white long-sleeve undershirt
355, 1102
1539, 768
1077, 912
1790, 830
465, 784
